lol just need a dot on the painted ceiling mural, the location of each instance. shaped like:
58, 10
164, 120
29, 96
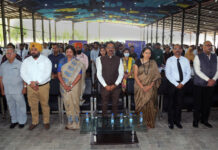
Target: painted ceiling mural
138, 12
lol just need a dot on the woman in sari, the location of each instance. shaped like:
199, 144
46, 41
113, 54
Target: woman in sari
128, 63
70, 76
147, 81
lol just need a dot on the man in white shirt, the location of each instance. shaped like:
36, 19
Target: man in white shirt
46, 52
110, 73
206, 74
178, 73
93, 55
36, 72
22, 52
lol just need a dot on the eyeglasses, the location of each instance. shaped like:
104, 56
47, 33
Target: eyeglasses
177, 48
9, 53
208, 45
110, 47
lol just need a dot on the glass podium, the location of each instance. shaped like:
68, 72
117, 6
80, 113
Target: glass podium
104, 131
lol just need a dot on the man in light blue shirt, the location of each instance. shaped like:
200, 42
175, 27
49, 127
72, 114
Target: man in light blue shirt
12, 86
178, 73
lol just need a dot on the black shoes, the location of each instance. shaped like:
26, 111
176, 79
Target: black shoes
178, 125
21, 126
195, 124
207, 124
170, 125
13, 125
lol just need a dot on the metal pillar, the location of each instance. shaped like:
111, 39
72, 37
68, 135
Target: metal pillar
198, 23
183, 27
147, 34
72, 30
99, 31
163, 31
21, 24
151, 33
205, 36
9, 30
50, 31
171, 30
3, 23
55, 31
157, 32
43, 32
214, 38
87, 32
143, 38
34, 28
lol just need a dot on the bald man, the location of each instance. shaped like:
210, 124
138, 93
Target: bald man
206, 74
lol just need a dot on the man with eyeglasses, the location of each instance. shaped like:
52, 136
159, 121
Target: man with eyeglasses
178, 73
206, 74
12, 86
110, 74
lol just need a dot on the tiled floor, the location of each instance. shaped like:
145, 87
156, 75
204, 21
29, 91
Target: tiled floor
160, 138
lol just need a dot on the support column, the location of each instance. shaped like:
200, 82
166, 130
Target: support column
72, 30
21, 24
143, 38
157, 32
99, 31
205, 36
49, 30
9, 30
183, 25
55, 31
171, 30
151, 33
147, 34
214, 39
87, 32
43, 32
3, 23
163, 31
198, 23
34, 28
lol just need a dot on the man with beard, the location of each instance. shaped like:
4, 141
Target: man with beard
85, 61
80, 55
178, 73
206, 74
36, 73
110, 73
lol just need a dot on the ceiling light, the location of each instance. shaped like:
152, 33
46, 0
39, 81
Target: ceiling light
46, 5
210, 12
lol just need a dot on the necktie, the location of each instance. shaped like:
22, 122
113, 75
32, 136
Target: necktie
180, 71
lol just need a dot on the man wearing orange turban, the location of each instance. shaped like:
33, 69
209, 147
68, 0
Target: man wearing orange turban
36, 45
36, 72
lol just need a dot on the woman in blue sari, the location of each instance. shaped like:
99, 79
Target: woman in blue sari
70, 71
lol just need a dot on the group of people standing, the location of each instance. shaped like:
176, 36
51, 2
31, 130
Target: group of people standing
34, 74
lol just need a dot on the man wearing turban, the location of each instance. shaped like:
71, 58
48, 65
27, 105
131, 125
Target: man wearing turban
36, 72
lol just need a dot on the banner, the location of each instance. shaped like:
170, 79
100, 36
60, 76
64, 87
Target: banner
138, 45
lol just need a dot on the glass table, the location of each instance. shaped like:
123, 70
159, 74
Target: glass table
103, 131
